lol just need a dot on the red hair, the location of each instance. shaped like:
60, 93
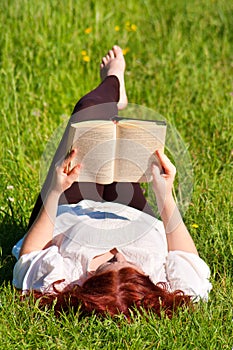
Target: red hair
116, 292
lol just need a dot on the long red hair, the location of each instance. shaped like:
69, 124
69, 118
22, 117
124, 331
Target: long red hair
115, 292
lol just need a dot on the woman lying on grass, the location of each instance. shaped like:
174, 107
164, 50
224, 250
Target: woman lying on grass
158, 270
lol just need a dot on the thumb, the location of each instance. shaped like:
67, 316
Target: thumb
155, 170
73, 174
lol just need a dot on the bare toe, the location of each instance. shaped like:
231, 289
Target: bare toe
111, 53
117, 50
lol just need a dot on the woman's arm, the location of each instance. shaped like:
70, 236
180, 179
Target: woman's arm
178, 237
41, 232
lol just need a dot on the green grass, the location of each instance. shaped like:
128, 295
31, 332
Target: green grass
179, 63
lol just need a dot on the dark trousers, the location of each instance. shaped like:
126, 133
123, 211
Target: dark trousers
100, 103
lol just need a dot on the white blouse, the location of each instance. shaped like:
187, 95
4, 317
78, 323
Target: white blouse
90, 228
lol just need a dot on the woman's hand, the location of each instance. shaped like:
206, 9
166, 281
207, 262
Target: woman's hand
63, 176
163, 176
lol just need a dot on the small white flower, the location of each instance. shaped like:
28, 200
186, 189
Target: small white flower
10, 187
36, 112
11, 199
64, 116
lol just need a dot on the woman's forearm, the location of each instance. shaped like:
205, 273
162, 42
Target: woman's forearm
178, 237
41, 232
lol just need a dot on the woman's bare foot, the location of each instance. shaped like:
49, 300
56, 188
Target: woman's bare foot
114, 64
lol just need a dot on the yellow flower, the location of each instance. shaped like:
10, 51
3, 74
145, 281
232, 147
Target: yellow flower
126, 50
83, 52
130, 27
117, 28
195, 225
133, 27
127, 26
88, 30
86, 58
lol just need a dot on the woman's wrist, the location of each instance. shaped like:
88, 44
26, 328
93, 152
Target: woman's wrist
53, 199
164, 199
55, 193
170, 214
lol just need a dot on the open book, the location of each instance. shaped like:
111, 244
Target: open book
119, 150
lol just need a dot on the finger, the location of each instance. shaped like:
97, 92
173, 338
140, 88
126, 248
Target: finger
73, 174
70, 156
67, 161
159, 182
155, 171
165, 162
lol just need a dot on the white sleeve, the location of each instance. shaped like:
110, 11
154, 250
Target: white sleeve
189, 273
38, 269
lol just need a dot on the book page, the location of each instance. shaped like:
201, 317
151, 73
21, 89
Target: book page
136, 143
95, 142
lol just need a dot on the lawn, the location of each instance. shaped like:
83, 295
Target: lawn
179, 57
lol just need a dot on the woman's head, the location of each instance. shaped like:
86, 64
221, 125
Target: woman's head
118, 292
